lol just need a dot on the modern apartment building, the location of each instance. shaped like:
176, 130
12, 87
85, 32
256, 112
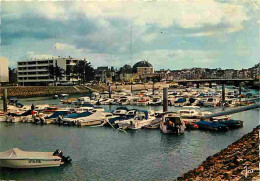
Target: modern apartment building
35, 72
4, 73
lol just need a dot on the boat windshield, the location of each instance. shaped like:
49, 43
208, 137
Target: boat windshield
186, 112
175, 120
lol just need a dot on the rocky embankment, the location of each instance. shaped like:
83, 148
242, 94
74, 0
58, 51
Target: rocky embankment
41, 91
239, 161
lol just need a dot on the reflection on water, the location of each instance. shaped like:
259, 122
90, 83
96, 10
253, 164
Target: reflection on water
30, 174
104, 153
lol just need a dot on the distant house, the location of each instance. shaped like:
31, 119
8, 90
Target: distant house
101, 74
143, 67
255, 71
164, 75
144, 71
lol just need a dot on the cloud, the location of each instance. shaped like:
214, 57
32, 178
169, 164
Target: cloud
149, 37
178, 33
185, 13
35, 55
66, 47
199, 34
177, 59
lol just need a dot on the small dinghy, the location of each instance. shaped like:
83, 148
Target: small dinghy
16, 158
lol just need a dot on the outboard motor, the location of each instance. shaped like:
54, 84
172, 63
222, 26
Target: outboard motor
64, 159
59, 119
58, 153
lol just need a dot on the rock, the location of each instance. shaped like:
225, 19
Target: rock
227, 175
229, 163
237, 160
246, 163
219, 165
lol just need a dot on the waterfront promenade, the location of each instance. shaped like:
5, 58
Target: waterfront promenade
43, 91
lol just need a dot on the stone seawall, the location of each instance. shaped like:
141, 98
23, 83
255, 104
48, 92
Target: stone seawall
42, 91
239, 161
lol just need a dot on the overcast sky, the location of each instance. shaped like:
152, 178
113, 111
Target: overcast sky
169, 34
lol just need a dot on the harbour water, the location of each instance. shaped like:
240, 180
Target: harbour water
102, 153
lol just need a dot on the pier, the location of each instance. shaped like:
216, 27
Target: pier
232, 111
218, 81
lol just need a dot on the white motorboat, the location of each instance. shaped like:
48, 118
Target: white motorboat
211, 101
141, 119
13, 119
83, 100
95, 118
134, 101
121, 111
16, 158
63, 95
143, 101
190, 114
41, 107
172, 123
82, 109
3, 117
126, 119
106, 101
156, 101
99, 109
123, 101
143, 92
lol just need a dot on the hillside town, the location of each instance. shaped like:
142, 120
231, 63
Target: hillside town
68, 70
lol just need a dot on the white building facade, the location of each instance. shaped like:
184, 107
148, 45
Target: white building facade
35, 72
4, 73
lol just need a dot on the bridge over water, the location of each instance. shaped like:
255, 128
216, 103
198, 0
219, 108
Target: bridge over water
236, 82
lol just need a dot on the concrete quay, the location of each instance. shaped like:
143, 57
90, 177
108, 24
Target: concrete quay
43, 91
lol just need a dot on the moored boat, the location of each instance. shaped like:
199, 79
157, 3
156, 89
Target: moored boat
172, 123
230, 123
71, 119
121, 111
142, 118
96, 118
16, 158
212, 126
2, 116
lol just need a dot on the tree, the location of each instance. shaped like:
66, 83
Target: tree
126, 69
89, 72
84, 71
56, 72
12, 76
68, 72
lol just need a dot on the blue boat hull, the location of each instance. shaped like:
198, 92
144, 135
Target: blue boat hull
212, 126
